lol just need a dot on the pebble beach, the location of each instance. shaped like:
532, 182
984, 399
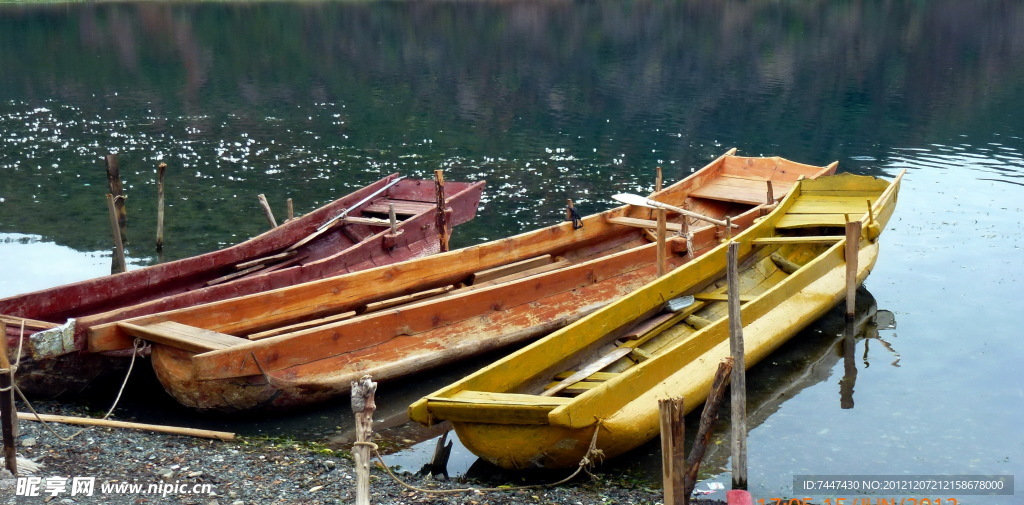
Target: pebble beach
123, 466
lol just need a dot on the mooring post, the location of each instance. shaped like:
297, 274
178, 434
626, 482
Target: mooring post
442, 210
9, 418
849, 365
662, 253
291, 209
851, 250
117, 189
658, 181
673, 457
707, 418
739, 379
117, 264
160, 169
267, 212
363, 405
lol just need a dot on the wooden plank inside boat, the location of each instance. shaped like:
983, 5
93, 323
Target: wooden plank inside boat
647, 224
731, 188
182, 336
402, 207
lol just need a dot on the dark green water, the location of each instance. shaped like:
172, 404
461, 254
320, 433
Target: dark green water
555, 100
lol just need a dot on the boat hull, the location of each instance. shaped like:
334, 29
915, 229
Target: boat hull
532, 408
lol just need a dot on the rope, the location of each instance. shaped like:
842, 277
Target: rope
587, 461
131, 365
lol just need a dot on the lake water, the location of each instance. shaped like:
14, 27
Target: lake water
548, 101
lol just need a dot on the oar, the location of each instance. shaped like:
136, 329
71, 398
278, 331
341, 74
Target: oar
641, 201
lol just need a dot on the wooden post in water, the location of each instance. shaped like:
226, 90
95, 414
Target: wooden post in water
707, 418
160, 169
673, 436
291, 209
739, 379
662, 253
442, 211
9, 419
267, 212
116, 189
363, 405
852, 248
117, 264
658, 181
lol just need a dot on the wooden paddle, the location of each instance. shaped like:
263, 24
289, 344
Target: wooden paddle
642, 201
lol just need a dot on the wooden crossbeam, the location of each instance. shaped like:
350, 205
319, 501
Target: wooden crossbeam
182, 336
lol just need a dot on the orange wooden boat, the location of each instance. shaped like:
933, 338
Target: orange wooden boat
306, 343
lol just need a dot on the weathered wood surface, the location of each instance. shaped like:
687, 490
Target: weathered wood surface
738, 386
673, 447
363, 405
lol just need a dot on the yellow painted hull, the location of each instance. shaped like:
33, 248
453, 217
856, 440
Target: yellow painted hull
500, 414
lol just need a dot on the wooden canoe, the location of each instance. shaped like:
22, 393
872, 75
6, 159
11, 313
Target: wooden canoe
792, 271
307, 343
302, 249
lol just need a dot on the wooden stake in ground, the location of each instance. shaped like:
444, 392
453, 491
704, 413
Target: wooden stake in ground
852, 248
673, 436
8, 419
707, 419
739, 378
363, 406
266, 210
160, 169
117, 264
443, 227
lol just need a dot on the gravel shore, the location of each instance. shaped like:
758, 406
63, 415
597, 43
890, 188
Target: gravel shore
175, 469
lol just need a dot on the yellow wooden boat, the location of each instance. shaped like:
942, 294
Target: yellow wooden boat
535, 408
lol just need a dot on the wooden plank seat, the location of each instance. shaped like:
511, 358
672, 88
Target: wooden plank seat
647, 224
739, 189
182, 336
810, 239
402, 207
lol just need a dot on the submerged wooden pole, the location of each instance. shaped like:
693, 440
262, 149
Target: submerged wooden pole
673, 437
110, 423
662, 254
160, 169
266, 210
442, 210
363, 406
852, 248
707, 419
117, 189
8, 419
739, 379
117, 264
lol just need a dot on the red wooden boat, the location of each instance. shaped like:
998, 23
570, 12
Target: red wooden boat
307, 342
350, 234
